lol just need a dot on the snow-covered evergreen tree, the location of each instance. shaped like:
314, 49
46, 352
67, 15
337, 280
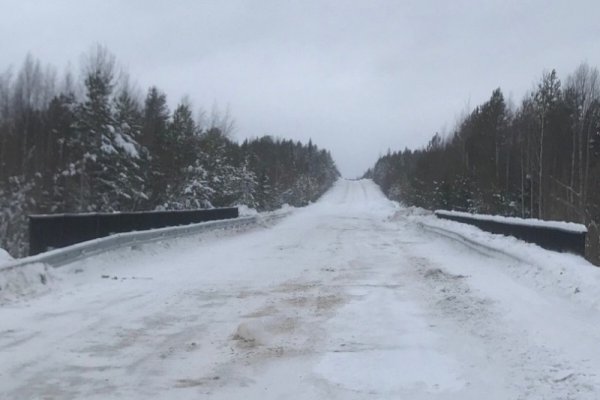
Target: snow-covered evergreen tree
94, 147
133, 189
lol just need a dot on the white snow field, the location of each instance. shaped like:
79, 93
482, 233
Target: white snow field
349, 298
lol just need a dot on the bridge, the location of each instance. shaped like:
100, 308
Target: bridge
352, 297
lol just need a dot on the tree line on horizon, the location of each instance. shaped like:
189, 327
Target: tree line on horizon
94, 143
540, 159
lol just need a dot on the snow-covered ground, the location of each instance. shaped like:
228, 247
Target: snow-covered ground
349, 298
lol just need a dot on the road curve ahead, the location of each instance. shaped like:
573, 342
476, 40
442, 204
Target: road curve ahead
337, 301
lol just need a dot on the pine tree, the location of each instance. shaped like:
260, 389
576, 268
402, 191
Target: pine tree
545, 99
155, 138
133, 158
100, 164
60, 186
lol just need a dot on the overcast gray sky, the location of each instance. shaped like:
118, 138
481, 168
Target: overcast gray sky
358, 77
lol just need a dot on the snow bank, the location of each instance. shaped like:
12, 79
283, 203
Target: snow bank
561, 274
246, 211
4, 257
24, 281
31, 275
410, 211
561, 225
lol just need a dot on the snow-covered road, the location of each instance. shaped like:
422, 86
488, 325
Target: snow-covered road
341, 300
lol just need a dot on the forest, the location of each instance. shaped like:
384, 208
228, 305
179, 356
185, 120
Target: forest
538, 159
93, 142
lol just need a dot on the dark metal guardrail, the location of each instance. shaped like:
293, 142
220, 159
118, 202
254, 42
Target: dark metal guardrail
55, 231
59, 257
549, 237
66, 255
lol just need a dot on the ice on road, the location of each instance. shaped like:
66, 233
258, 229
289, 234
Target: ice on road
337, 301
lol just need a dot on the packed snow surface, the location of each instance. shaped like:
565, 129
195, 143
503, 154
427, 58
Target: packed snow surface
349, 298
562, 225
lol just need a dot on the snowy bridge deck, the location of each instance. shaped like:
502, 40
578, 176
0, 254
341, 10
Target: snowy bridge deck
349, 298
